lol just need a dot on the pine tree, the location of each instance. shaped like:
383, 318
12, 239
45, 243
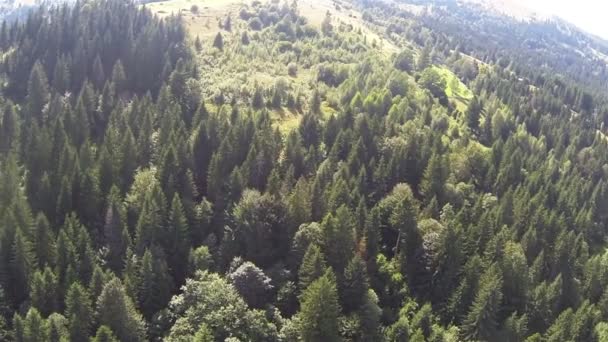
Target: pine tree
35, 328
320, 311
38, 94
354, 286
117, 312
156, 284
178, 240
119, 78
339, 238
424, 58
21, 267
473, 114
218, 42
104, 334
43, 244
78, 312
116, 237
9, 129
313, 266
61, 76
99, 75
434, 179
43, 294
481, 322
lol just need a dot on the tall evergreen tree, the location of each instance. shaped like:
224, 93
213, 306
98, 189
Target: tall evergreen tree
78, 312
38, 94
320, 311
482, 322
312, 266
117, 312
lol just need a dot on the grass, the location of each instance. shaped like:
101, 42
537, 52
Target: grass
203, 23
232, 70
455, 89
342, 13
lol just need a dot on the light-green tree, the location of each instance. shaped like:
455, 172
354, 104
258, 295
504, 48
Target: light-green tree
320, 311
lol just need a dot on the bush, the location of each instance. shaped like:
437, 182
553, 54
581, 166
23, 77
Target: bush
405, 61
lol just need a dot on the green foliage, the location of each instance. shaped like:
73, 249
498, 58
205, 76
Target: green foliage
320, 310
78, 312
116, 311
287, 153
210, 301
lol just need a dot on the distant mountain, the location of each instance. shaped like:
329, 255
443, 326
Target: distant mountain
506, 31
13, 9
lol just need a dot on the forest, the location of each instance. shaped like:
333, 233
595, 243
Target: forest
369, 175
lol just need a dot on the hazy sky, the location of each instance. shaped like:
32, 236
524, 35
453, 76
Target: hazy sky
590, 15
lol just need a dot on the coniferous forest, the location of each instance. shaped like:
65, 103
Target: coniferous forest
373, 174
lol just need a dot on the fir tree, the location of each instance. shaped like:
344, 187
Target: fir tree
218, 42
320, 311
78, 312
312, 267
117, 312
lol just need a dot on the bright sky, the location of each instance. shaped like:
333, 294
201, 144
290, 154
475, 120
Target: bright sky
589, 15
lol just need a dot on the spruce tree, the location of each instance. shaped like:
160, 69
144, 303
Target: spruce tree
43, 294
178, 240
79, 312
43, 243
473, 114
116, 311
312, 267
355, 285
218, 42
38, 94
104, 334
156, 284
320, 311
481, 323
21, 267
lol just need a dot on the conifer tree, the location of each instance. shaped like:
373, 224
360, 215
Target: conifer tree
339, 238
218, 42
473, 114
21, 267
178, 240
104, 334
43, 243
35, 328
117, 312
355, 285
43, 293
119, 78
313, 266
320, 311
481, 322
38, 94
9, 129
156, 284
78, 312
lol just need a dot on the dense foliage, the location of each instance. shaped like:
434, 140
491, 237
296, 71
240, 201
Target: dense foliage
151, 190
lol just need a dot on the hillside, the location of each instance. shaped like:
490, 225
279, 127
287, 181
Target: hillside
283, 171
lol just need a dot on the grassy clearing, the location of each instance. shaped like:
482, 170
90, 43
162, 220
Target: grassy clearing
239, 69
343, 13
455, 89
204, 22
